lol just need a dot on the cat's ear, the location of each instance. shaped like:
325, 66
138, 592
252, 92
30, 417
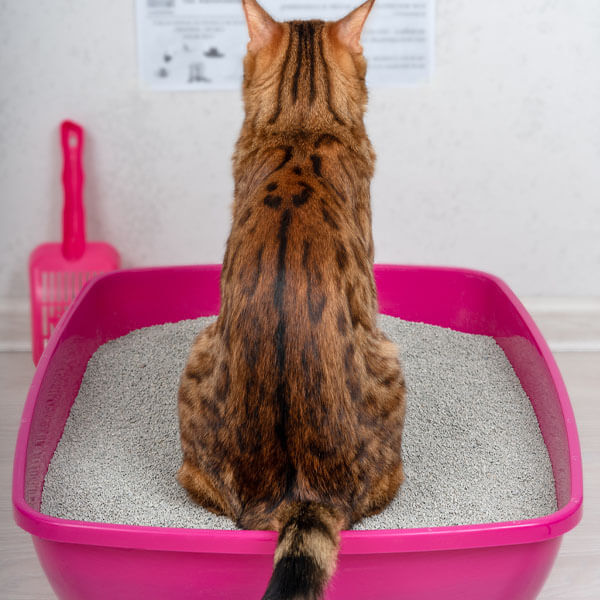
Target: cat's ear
349, 28
261, 26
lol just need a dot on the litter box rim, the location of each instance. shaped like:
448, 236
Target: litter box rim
264, 542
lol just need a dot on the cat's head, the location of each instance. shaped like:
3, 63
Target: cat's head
304, 74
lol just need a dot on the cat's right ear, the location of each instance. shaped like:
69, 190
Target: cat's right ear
261, 26
349, 28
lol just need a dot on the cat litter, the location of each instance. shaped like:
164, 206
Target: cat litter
472, 447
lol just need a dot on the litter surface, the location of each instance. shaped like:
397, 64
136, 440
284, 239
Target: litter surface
472, 447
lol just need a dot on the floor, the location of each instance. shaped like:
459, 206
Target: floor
576, 574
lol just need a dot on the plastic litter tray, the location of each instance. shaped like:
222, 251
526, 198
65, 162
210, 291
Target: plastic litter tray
99, 561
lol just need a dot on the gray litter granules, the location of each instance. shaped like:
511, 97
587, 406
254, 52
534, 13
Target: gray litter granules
472, 448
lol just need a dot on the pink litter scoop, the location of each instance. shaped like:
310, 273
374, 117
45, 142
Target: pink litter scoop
57, 271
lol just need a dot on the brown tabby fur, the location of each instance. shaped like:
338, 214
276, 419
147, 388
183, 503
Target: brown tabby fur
291, 404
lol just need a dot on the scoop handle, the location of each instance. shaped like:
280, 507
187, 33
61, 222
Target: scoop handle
71, 137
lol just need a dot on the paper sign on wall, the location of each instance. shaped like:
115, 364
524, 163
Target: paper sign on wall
200, 44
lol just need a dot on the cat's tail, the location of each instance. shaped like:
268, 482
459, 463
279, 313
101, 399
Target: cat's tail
306, 552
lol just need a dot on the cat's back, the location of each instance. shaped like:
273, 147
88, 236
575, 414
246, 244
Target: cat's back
297, 308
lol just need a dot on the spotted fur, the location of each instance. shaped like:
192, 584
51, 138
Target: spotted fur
291, 404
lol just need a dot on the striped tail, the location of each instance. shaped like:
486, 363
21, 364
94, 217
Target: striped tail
306, 552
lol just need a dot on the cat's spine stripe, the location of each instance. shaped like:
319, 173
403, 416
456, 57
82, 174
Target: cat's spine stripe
299, 29
286, 60
280, 350
327, 82
282, 235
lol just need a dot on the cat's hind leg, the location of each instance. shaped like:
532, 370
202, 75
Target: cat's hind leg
382, 421
202, 490
202, 393
380, 494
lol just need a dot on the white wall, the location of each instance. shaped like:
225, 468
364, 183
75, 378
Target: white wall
494, 165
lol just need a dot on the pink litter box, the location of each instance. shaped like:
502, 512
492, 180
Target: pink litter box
99, 561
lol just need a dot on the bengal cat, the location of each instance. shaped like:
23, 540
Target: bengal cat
291, 405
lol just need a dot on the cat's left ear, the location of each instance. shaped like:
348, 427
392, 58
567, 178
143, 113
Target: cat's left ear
349, 29
261, 26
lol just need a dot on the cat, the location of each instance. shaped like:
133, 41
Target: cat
291, 404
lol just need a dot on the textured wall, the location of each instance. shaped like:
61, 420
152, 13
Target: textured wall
494, 165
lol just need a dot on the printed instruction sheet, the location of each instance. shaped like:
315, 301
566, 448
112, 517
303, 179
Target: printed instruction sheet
200, 44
